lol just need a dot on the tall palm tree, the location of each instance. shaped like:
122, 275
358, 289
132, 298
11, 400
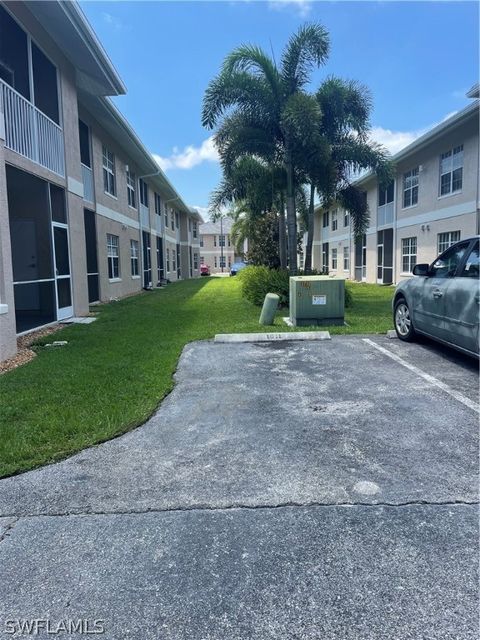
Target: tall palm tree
252, 86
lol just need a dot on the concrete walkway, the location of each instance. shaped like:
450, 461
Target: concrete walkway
308, 490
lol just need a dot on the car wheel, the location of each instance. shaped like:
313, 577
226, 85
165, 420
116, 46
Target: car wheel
403, 321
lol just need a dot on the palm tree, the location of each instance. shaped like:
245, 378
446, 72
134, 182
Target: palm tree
251, 86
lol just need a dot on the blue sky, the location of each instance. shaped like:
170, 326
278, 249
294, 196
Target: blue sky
417, 58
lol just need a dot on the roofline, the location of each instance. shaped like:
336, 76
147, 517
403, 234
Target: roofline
428, 137
76, 16
157, 175
474, 91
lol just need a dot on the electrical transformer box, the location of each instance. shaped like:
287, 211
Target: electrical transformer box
317, 300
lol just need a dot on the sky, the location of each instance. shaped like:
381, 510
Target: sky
417, 58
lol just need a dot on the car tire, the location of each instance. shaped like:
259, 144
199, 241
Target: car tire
402, 320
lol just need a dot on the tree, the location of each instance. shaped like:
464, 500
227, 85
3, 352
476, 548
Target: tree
252, 88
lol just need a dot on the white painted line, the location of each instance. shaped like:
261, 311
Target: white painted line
272, 337
426, 376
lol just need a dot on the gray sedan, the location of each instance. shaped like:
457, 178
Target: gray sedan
442, 299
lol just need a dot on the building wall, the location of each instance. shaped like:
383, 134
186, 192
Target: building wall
211, 252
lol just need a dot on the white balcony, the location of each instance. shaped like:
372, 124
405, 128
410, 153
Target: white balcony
158, 224
30, 132
87, 178
144, 216
385, 214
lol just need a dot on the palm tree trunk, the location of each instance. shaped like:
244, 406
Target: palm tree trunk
282, 237
311, 216
291, 214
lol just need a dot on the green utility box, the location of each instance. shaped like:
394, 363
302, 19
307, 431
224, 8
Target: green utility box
317, 300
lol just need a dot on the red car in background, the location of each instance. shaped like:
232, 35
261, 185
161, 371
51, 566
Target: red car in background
204, 270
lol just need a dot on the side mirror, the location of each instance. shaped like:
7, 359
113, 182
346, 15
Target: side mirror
421, 270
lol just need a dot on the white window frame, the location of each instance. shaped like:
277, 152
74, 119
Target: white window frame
410, 183
109, 172
325, 219
113, 257
143, 189
131, 189
446, 239
451, 161
346, 218
134, 258
158, 203
334, 254
409, 253
172, 219
165, 213
346, 258
195, 261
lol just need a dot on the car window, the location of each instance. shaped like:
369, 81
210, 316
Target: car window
472, 265
445, 266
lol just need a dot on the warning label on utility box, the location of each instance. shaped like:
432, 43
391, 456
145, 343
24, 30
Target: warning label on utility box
319, 299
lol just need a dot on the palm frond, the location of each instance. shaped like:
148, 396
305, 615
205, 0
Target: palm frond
253, 59
306, 49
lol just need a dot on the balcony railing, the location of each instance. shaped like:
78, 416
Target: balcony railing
87, 178
144, 216
385, 214
30, 132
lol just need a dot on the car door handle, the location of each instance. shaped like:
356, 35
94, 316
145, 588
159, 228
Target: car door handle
437, 293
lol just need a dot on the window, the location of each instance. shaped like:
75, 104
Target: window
214, 241
84, 136
229, 262
195, 261
221, 241
325, 257
446, 240
189, 224
409, 254
109, 182
176, 220
334, 259
346, 258
143, 188
228, 240
334, 220
174, 263
215, 261
410, 188
113, 257
451, 171
201, 241
446, 265
346, 219
131, 190
159, 259
158, 204
472, 265
202, 259
165, 211
195, 229
222, 262
168, 260
172, 219
386, 195
134, 257
325, 219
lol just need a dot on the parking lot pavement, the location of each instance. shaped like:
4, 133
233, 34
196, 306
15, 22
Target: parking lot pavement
314, 490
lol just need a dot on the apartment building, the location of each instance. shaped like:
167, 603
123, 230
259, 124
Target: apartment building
86, 214
432, 202
216, 246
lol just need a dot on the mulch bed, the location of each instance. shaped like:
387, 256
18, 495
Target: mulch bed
25, 354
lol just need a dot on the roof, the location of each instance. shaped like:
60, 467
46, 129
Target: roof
66, 23
427, 138
474, 91
216, 228
113, 121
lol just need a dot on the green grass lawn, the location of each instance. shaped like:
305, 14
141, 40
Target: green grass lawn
113, 373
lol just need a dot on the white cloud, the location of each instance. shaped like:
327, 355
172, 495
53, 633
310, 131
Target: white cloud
203, 211
190, 157
113, 21
302, 7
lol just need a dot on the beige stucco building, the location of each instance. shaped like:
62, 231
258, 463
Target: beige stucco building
216, 246
86, 214
432, 202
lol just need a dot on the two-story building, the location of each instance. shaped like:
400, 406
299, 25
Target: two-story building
86, 214
216, 246
432, 202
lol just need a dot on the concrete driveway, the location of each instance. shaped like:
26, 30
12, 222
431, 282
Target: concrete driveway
310, 490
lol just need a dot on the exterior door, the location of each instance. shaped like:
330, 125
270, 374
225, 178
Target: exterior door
147, 260
361, 258
92, 257
179, 270
160, 268
385, 256
62, 271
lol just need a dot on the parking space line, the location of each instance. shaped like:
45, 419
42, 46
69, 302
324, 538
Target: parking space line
426, 376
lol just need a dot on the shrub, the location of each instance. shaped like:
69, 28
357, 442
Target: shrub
256, 282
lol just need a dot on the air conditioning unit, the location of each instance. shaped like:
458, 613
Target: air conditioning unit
317, 300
